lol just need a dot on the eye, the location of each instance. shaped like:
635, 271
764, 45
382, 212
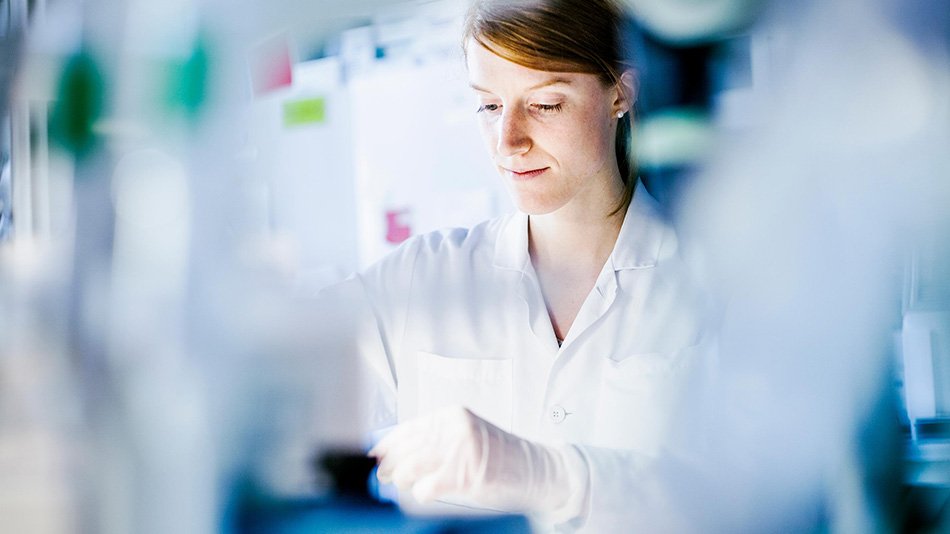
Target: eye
547, 108
491, 108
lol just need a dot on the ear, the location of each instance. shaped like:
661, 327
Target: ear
627, 91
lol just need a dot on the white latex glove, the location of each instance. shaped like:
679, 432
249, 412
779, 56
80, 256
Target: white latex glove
454, 453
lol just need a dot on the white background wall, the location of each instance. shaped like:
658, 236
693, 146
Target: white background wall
399, 137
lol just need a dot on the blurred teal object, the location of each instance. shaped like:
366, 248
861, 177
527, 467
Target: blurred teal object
188, 80
79, 103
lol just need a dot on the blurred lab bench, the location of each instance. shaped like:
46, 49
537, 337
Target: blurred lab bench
351, 517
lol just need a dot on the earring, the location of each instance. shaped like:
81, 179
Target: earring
620, 114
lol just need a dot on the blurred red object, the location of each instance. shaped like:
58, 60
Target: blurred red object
397, 229
271, 65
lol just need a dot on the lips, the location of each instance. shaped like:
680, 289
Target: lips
526, 174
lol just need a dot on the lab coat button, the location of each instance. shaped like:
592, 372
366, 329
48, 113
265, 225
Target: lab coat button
557, 413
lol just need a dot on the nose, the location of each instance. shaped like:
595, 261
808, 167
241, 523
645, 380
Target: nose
513, 137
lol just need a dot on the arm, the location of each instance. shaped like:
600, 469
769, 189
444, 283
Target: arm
369, 309
456, 456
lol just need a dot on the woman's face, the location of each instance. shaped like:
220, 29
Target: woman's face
551, 135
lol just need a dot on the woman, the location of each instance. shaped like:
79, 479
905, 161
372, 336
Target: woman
540, 361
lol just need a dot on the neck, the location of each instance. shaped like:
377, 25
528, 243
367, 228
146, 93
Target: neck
576, 237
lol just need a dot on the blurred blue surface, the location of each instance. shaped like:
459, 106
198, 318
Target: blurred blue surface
351, 517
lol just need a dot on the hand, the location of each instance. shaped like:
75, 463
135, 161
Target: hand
453, 452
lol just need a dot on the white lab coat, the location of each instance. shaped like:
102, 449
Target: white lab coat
461, 320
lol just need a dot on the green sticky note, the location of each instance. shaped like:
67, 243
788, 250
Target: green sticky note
304, 111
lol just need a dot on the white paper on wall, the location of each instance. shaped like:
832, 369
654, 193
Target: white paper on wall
303, 139
418, 152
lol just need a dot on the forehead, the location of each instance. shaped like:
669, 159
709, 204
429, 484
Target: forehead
490, 72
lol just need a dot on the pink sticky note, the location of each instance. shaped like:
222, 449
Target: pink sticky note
397, 229
271, 65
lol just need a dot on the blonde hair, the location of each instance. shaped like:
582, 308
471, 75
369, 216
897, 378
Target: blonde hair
582, 36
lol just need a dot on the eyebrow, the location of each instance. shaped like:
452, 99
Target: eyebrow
546, 83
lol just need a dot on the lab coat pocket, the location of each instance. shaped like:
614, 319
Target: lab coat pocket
484, 386
645, 393
630, 370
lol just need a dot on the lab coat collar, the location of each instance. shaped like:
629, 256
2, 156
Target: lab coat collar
511, 249
637, 246
641, 235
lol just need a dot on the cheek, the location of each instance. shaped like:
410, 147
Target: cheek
588, 139
596, 127
600, 131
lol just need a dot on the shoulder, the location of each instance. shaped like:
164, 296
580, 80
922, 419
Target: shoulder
450, 241
443, 246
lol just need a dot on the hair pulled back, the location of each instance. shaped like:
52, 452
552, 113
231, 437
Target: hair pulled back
580, 36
